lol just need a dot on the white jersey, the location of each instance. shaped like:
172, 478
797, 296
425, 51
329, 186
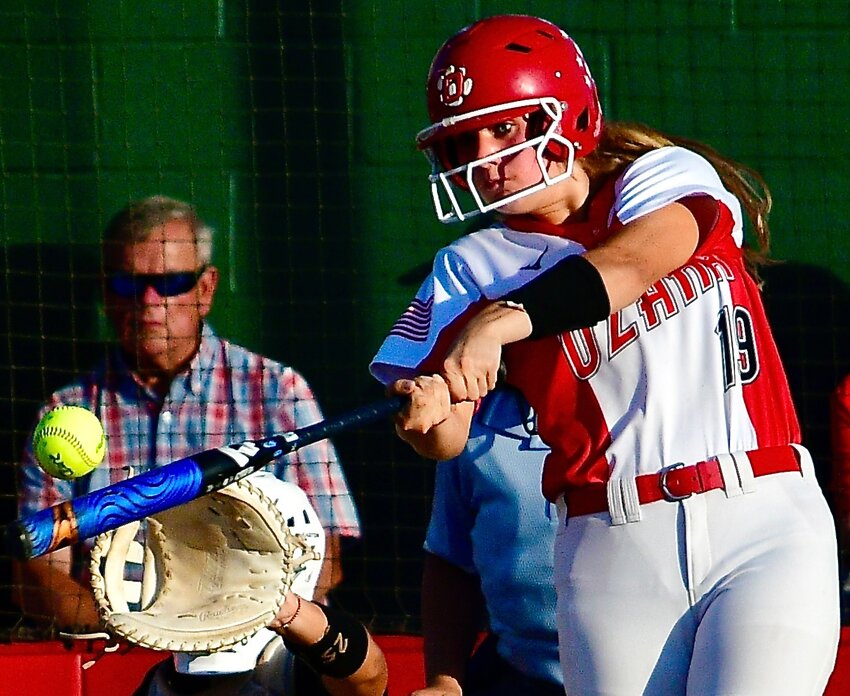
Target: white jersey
648, 387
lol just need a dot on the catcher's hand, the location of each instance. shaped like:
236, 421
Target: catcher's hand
216, 570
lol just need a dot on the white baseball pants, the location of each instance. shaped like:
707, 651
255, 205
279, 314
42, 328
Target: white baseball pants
722, 593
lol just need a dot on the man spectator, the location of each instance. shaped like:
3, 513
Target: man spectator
169, 388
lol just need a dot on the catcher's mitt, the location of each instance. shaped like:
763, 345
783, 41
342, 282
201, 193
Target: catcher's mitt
216, 571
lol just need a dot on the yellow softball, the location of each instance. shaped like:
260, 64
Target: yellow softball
69, 442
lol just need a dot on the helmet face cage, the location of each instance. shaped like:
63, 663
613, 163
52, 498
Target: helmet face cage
498, 68
453, 191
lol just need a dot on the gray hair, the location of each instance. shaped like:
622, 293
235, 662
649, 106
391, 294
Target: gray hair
136, 221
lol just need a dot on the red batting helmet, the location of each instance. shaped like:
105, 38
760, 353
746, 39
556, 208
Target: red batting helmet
502, 67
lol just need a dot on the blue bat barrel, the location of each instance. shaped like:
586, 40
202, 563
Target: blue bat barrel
106, 508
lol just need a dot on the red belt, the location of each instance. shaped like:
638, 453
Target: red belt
678, 482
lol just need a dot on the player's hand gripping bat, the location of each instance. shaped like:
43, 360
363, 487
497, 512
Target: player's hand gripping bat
170, 485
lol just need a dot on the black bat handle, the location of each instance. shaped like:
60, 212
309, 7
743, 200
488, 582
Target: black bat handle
359, 416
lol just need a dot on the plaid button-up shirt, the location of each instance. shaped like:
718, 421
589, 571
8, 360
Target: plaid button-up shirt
228, 394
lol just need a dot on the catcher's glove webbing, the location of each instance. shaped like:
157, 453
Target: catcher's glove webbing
216, 570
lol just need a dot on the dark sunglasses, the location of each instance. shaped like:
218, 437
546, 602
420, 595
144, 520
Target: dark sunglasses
130, 285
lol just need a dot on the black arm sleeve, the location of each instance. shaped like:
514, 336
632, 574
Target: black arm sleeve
341, 651
569, 295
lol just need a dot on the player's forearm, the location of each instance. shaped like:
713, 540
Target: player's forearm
335, 645
369, 680
331, 574
452, 616
430, 422
583, 289
570, 295
501, 322
47, 592
444, 440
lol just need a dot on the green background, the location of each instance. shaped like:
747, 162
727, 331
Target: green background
291, 130
290, 126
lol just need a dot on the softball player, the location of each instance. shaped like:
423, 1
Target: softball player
695, 552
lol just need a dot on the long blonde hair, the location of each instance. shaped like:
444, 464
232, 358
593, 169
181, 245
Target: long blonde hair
622, 143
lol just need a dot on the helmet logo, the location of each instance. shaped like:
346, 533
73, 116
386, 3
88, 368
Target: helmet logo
453, 85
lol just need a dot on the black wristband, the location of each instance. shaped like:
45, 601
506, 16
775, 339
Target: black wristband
569, 295
341, 651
